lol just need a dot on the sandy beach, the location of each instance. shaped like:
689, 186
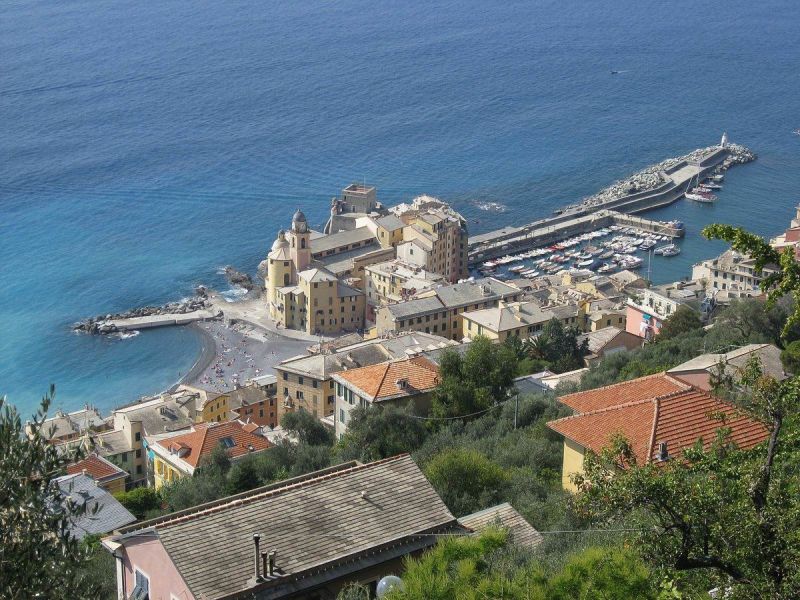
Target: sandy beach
233, 354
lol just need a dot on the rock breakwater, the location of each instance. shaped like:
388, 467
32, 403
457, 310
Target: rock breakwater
104, 324
656, 175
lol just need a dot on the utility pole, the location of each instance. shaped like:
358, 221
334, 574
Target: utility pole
516, 408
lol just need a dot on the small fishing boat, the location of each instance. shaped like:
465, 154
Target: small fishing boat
670, 250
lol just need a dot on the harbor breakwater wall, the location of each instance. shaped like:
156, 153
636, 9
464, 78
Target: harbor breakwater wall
653, 187
186, 311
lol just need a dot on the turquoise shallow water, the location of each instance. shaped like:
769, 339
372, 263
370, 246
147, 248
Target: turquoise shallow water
146, 144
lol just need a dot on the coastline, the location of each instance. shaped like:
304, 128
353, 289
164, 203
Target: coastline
208, 350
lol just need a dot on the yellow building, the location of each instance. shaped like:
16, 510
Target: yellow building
179, 454
517, 319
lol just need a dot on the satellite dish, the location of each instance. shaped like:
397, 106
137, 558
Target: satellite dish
387, 584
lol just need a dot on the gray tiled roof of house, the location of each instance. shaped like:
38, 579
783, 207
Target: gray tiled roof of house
390, 222
343, 262
342, 239
110, 514
504, 515
768, 355
599, 338
158, 417
469, 292
418, 306
363, 507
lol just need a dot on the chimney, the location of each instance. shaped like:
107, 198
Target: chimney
663, 453
271, 562
257, 575
265, 563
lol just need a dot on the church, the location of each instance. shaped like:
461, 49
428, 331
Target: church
307, 296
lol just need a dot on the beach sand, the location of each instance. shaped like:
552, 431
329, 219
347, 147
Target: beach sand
235, 353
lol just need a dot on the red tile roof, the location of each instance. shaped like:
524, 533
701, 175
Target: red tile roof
202, 440
623, 393
100, 469
679, 419
382, 381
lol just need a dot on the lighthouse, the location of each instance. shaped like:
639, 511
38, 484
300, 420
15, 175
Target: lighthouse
723, 143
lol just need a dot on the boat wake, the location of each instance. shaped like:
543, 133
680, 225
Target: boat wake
490, 206
124, 335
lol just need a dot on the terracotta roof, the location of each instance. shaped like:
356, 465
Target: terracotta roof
622, 393
204, 437
679, 419
97, 467
383, 381
373, 508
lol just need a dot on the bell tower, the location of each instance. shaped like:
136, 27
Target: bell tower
300, 241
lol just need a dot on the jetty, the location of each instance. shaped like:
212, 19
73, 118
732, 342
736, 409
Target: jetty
163, 320
653, 187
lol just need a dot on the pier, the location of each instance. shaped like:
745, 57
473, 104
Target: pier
651, 188
164, 320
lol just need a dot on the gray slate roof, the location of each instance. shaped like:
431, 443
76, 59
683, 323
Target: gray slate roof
110, 515
212, 545
769, 355
504, 515
341, 239
469, 292
419, 306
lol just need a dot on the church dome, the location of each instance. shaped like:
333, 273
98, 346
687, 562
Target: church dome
280, 241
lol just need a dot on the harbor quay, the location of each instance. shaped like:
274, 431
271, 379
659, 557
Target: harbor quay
653, 187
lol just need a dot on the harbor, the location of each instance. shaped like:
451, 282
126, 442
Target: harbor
693, 176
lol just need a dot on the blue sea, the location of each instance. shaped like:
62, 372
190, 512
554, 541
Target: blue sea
146, 144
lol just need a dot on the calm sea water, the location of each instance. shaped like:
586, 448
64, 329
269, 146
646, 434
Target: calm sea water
146, 144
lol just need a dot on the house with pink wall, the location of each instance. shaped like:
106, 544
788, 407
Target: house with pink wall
646, 312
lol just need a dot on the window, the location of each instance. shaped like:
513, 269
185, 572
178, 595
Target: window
299, 395
286, 376
341, 415
138, 453
138, 436
300, 380
124, 457
138, 469
227, 442
260, 412
141, 590
330, 400
314, 383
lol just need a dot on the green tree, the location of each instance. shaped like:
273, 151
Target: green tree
790, 357
683, 320
39, 558
242, 477
466, 480
307, 428
381, 431
488, 566
479, 379
140, 501
561, 347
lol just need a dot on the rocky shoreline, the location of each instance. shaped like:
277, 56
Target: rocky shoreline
103, 325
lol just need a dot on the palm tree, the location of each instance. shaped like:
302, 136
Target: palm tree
538, 347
